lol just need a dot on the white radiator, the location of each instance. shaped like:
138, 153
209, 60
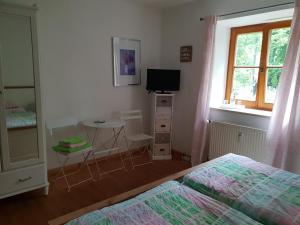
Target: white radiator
229, 138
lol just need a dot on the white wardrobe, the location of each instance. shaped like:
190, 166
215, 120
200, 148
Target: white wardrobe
22, 151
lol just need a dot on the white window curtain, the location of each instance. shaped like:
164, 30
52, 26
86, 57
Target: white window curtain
202, 111
283, 139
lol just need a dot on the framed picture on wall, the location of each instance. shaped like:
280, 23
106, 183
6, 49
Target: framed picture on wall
126, 61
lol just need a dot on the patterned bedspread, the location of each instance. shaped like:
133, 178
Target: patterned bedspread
20, 119
266, 194
169, 203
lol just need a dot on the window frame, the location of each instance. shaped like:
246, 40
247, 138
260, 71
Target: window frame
265, 28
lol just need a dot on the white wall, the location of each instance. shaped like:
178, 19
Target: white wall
220, 65
76, 56
181, 26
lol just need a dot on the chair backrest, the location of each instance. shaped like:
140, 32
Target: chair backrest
61, 123
133, 117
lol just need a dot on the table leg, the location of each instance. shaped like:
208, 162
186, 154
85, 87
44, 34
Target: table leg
85, 162
121, 157
127, 148
95, 135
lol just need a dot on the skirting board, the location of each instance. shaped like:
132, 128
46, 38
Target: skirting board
162, 157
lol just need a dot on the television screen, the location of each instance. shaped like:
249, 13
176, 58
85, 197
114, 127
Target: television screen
163, 80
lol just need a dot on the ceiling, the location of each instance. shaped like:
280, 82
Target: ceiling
164, 3
268, 17
154, 3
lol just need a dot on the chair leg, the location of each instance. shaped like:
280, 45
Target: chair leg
122, 160
86, 163
65, 175
128, 149
97, 167
61, 170
149, 151
136, 165
146, 149
57, 176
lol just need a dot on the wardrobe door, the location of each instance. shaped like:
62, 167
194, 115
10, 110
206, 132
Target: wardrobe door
19, 124
2, 119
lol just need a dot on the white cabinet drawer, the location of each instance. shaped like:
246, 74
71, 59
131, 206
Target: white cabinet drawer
164, 111
165, 101
16, 180
162, 116
162, 125
161, 149
162, 138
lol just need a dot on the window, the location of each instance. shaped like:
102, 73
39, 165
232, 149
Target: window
256, 58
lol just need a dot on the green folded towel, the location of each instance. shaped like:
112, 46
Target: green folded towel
59, 148
72, 145
71, 140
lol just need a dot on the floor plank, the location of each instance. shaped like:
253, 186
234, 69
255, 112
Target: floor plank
33, 208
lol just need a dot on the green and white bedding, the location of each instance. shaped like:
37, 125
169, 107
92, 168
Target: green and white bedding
229, 190
266, 194
169, 204
20, 119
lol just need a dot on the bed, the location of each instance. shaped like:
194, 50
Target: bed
20, 115
264, 193
227, 190
169, 203
20, 119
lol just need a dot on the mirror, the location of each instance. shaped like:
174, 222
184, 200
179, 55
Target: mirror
17, 75
21, 124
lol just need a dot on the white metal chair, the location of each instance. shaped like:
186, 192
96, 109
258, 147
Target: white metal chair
135, 137
66, 126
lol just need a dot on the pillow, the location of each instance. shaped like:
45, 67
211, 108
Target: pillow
13, 107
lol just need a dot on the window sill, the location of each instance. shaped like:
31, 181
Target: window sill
254, 112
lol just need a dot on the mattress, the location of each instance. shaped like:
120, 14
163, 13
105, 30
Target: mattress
170, 203
20, 119
266, 194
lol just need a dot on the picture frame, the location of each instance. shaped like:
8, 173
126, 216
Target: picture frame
186, 53
126, 61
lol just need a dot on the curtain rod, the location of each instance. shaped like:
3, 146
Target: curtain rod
251, 10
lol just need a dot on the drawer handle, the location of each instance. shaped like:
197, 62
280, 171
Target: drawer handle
162, 149
162, 125
163, 101
25, 179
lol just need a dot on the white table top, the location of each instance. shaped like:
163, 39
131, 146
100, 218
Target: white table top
104, 124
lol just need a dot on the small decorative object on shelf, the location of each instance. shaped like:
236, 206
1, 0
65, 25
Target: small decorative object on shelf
186, 53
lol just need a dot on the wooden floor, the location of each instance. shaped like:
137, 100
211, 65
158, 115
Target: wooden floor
33, 208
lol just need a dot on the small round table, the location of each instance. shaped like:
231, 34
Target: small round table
111, 144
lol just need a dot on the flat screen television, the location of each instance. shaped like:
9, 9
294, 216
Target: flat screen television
163, 80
